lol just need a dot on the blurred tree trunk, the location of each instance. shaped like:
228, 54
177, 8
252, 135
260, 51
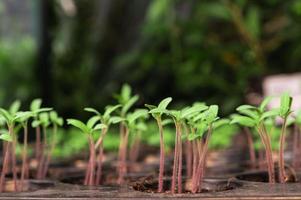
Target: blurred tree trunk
44, 59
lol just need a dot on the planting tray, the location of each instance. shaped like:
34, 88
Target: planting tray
247, 190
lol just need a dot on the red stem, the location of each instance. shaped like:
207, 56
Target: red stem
24, 156
6, 147
180, 160
162, 156
282, 175
123, 167
13, 149
92, 166
175, 162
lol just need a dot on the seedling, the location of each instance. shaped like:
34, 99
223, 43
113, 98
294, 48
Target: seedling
254, 117
56, 122
179, 117
126, 100
284, 112
157, 113
107, 120
89, 129
130, 125
205, 124
296, 139
7, 139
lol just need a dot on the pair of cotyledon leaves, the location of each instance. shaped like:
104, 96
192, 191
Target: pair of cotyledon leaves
105, 120
251, 116
198, 115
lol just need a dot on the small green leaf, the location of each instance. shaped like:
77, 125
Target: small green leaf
15, 106
92, 121
285, 104
243, 120
35, 123
245, 107
136, 115
129, 104
78, 124
92, 110
220, 123
164, 103
23, 116
190, 111
116, 120
35, 104
264, 103
211, 114
271, 113
150, 107
6, 137
6, 115
126, 91
100, 127
109, 110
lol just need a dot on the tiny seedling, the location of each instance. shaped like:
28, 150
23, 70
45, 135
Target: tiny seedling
284, 112
179, 117
157, 113
107, 120
56, 122
89, 129
130, 124
255, 117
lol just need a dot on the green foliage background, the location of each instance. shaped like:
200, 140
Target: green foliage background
215, 51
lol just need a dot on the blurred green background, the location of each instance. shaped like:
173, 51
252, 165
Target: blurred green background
77, 53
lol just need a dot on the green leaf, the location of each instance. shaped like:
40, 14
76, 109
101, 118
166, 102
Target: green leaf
271, 113
35, 123
164, 103
15, 106
92, 110
92, 121
126, 91
100, 127
23, 116
6, 115
175, 114
132, 117
129, 104
78, 124
141, 126
190, 111
211, 114
192, 137
53, 115
264, 103
109, 110
116, 120
243, 121
150, 107
35, 104
285, 104
6, 137
157, 111
220, 123
245, 107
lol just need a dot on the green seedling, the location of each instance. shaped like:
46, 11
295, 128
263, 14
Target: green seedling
35, 107
126, 100
56, 122
284, 112
23, 118
107, 120
89, 129
130, 124
205, 122
136, 141
10, 118
157, 113
254, 117
43, 121
179, 117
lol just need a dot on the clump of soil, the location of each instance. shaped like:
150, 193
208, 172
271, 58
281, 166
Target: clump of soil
150, 185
